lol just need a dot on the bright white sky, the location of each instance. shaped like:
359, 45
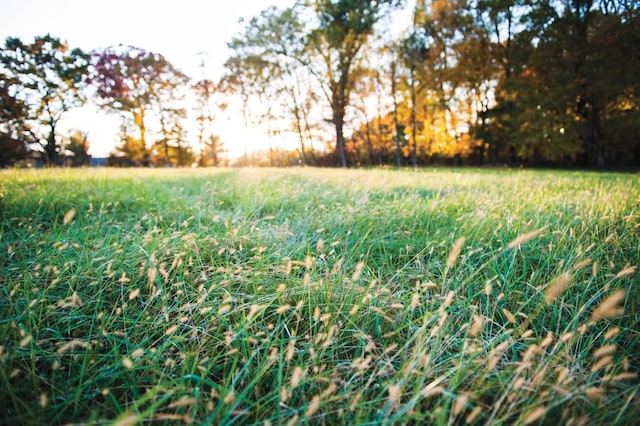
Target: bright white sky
180, 30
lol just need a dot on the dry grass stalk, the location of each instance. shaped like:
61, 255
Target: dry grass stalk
395, 393
582, 264
313, 406
557, 287
535, 415
355, 401
603, 362
476, 327
127, 363
473, 415
609, 307
298, 372
611, 333
604, 351
524, 238
509, 316
129, 420
594, 393
71, 345
460, 404
68, 216
455, 252
356, 274
230, 398
415, 300
624, 376
629, 270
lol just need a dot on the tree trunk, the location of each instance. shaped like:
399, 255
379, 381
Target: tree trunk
414, 121
395, 115
296, 110
51, 154
340, 145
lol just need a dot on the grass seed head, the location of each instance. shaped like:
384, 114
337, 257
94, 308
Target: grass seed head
68, 216
611, 333
604, 351
460, 405
602, 362
313, 407
534, 415
448, 299
473, 415
395, 393
476, 326
595, 393
609, 307
629, 270
547, 340
293, 420
296, 376
230, 398
624, 376
127, 363
509, 316
71, 345
43, 400
358, 272
129, 420
582, 264
137, 353
253, 310
355, 401
557, 287
291, 350
282, 309
455, 252
525, 238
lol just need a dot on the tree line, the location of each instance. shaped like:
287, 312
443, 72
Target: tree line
42, 81
551, 82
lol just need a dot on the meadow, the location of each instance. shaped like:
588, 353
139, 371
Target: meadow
318, 296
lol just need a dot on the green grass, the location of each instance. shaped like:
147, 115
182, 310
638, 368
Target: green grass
319, 296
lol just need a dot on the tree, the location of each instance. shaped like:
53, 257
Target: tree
211, 147
132, 82
343, 27
415, 51
78, 149
45, 78
13, 129
268, 63
571, 96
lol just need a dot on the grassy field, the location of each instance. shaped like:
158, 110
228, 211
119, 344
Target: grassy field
319, 296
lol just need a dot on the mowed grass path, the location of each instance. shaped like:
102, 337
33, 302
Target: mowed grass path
319, 296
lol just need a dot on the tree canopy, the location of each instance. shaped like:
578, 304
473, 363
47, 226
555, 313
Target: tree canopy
520, 82
41, 81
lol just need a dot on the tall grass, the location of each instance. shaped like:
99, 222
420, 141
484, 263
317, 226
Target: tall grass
319, 296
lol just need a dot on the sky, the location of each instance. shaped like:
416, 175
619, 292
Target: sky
185, 32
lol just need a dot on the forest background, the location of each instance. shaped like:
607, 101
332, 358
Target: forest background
517, 82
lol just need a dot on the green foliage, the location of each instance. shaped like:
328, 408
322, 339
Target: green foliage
41, 81
136, 84
352, 297
566, 95
78, 148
